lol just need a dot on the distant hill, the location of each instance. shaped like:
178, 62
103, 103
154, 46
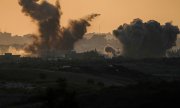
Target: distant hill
8, 39
97, 41
91, 41
13, 44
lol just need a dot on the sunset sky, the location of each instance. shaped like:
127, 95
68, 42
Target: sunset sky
114, 13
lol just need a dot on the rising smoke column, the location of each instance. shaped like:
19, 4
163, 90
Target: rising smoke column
75, 31
52, 37
149, 39
47, 17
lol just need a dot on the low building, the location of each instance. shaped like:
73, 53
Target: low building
9, 58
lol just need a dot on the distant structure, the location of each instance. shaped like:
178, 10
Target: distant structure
9, 58
89, 55
97, 41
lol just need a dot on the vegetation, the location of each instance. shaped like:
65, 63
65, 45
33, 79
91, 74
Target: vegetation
99, 83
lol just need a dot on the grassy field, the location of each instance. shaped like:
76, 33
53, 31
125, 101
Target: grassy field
46, 76
32, 84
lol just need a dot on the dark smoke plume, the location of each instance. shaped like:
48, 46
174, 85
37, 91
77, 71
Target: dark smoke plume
149, 39
53, 38
75, 31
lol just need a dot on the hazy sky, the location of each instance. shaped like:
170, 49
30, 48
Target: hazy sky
114, 13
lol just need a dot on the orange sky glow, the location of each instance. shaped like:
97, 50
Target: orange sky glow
113, 13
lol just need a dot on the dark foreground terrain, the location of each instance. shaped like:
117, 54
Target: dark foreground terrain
115, 83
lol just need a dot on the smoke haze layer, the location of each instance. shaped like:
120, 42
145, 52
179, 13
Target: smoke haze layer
146, 39
52, 38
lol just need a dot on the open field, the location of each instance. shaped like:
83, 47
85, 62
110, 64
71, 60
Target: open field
23, 82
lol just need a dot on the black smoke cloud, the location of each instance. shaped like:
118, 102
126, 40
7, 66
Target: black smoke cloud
146, 39
75, 31
53, 38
